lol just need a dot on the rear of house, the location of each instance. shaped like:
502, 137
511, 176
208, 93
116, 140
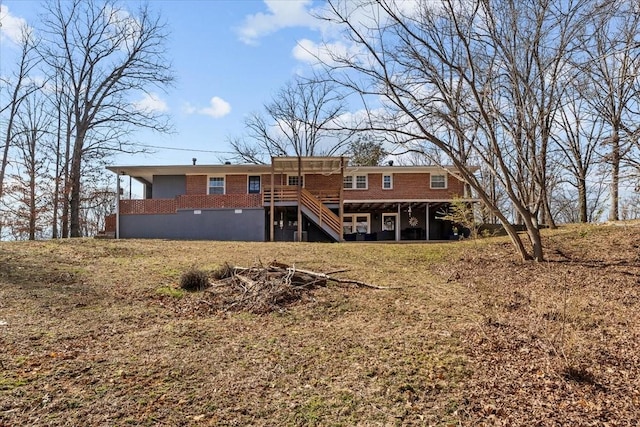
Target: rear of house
291, 199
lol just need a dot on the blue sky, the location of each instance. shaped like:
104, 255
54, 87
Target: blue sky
229, 58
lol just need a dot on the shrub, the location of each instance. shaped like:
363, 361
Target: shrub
194, 280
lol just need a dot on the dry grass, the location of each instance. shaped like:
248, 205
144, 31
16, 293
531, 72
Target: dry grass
99, 333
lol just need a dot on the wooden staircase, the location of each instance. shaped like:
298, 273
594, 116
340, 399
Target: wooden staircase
316, 211
311, 206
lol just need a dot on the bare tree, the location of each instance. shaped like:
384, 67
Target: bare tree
302, 119
611, 65
477, 79
577, 137
105, 56
19, 87
98, 200
30, 184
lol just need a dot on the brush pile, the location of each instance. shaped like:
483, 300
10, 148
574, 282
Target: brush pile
258, 289
262, 289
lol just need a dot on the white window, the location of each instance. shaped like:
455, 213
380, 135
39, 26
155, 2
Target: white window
387, 182
438, 181
347, 225
347, 182
356, 223
358, 182
293, 180
216, 185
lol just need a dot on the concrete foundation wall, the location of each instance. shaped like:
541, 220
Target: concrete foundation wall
209, 224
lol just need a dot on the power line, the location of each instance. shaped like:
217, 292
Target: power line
194, 150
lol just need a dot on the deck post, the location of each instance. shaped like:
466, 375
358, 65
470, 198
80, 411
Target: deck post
426, 237
398, 225
341, 204
299, 199
272, 205
117, 205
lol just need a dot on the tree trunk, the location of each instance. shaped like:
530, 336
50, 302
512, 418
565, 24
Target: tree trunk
582, 199
67, 182
75, 179
7, 143
615, 177
508, 227
547, 211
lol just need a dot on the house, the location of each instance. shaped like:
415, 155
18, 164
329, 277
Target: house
291, 199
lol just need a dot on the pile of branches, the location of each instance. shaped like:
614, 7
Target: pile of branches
263, 289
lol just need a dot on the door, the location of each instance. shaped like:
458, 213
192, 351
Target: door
390, 224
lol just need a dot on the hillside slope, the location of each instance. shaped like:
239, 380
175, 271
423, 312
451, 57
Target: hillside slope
97, 333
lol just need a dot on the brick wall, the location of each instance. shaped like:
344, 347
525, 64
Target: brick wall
406, 186
110, 223
193, 201
278, 179
236, 184
318, 182
203, 201
148, 206
197, 184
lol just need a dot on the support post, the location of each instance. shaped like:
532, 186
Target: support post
117, 205
272, 205
341, 204
398, 225
299, 199
426, 237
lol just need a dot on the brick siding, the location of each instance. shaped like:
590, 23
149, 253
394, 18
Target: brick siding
148, 206
317, 182
197, 184
194, 201
220, 201
406, 186
110, 223
236, 184
409, 186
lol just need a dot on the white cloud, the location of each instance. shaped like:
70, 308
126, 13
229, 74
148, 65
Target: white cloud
310, 52
11, 26
281, 14
217, 108
151, 102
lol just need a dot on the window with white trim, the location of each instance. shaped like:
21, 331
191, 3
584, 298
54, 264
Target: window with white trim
355, 182
356, 223
438, 181
216, 185
387, 182
293, 180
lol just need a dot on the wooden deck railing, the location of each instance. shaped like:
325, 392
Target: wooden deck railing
289, 193
324, 214
315, 202
281, 193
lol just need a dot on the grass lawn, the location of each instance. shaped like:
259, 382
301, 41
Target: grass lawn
96, 332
